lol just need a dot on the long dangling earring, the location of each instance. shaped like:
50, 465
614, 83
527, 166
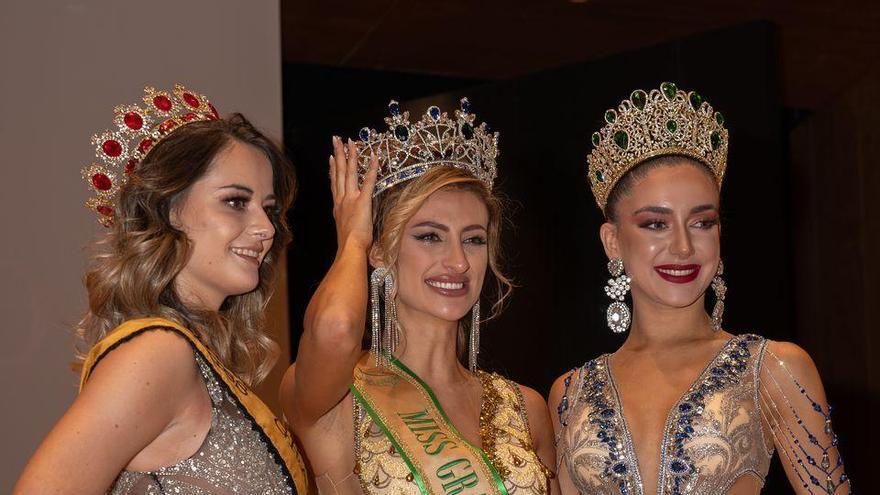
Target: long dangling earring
392, 336
474, 346
618, 312
377, 279
720, 289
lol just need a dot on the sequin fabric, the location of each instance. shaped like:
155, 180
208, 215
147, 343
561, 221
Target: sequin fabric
504, 434
713, 435
233, 459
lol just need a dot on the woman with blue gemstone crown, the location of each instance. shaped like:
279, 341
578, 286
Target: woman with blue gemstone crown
683, 406
173, 339
414, 414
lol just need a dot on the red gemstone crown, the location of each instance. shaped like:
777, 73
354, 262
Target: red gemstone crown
138, 130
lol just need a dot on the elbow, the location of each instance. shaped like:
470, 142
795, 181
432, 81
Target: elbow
339, 333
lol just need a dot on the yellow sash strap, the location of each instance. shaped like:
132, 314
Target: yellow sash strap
441, 460
274, 431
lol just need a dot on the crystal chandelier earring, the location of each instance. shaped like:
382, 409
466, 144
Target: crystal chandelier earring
474, 344
618, 312
720, 290
383, 343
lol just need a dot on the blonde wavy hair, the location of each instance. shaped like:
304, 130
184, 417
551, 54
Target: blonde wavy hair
396, 207
134, 266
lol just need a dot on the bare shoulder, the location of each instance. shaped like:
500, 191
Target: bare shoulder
793, 357
161, 354
532, 398
560, 385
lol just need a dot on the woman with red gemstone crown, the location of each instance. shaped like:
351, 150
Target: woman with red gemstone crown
172, 341
414, 415
683, 406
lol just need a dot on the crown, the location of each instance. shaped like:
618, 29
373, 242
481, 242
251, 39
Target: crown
137, 129
407, 150
665, 121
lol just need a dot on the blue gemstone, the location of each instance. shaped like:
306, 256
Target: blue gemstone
685, 408
607, 413
465, 105
602, 435
364, 134
696, 396
401, 132
394, 108
434, 112
619, 468
689, 429
567, 381
717, 371
684, 420
677, 466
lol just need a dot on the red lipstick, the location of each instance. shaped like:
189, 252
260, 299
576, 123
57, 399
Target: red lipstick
678, 274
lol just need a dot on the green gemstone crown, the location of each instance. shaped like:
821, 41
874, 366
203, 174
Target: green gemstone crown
665, 121
408, 150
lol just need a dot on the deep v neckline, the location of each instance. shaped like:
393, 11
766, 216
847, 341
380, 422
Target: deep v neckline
628, 442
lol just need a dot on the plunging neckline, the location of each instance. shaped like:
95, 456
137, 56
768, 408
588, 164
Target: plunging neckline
628, 443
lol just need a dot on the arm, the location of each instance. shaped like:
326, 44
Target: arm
796, 411
557, 392
334, 321
132, 396
542, 432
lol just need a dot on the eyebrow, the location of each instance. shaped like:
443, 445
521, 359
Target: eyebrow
246, 189
662, 210
444, 228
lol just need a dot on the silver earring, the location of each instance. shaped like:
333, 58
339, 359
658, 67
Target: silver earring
720, 290
391, 336
618, 313
474, 347
377, 279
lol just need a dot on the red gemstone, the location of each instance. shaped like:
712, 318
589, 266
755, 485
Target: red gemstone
214, 111
167, 126
112, 148
162, 103
129, 167
133, 120
105, 210
189, 116
145, 145
191, 100
102, 182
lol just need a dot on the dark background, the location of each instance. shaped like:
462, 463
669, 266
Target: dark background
799, 230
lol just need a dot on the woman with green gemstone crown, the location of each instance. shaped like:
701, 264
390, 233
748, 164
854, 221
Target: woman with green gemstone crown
683, 406
414, 414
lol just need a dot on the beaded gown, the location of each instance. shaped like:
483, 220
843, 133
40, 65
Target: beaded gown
723, 428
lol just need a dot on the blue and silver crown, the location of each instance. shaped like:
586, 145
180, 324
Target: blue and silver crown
407, 150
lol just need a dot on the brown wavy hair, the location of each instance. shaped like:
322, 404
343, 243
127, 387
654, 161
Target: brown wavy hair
396, 207
132, 273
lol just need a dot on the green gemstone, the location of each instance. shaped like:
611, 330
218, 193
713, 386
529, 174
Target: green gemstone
719, 118
599, 176
639, 98
669, 89
401, 132
671, 126
610, 116
621, 139
467, 130
695, 99
596, 139
716, 140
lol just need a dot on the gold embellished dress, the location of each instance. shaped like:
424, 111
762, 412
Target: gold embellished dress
507, 447
723, 428
246, 451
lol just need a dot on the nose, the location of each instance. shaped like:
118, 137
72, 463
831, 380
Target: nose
682, 246
262, 227
456, 259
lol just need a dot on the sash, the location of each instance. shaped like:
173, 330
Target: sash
441, 461
273, 431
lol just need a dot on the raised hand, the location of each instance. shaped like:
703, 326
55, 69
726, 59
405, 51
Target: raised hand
352, 205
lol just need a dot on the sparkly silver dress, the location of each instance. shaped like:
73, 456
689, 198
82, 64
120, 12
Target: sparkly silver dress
722, 429
233, 459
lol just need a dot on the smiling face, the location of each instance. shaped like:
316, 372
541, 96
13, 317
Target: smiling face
226, 215
666, 230
443, 256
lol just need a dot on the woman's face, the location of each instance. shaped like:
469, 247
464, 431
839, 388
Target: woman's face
667, 233
443, 256
226, 216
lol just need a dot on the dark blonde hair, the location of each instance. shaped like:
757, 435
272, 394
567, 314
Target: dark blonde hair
136, 262
396, 207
